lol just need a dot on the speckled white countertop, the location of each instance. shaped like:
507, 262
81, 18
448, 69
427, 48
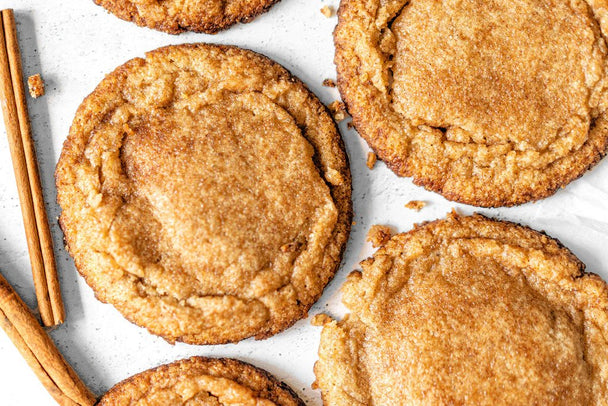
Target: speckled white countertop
73, 44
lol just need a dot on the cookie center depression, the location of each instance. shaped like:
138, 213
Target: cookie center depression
467, 326
227, 196
497, 72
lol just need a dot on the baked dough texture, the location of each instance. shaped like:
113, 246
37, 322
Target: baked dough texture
177, 16
488, 102
200, 381
468, 311
206, 194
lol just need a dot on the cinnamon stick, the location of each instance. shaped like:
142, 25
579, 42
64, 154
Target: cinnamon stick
21, 144
39, 351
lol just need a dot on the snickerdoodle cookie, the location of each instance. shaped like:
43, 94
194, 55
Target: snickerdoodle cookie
176, 16
490, 103
205, 194
202, 381
468, 311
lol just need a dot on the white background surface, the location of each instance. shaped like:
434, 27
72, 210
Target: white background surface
73, 43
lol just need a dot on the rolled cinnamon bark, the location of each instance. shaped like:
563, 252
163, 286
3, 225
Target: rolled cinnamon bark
39, 351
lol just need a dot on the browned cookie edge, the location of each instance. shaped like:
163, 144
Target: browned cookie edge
262, 382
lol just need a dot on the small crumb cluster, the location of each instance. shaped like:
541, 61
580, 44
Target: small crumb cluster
379, 235
35, 85
338, 110
320, 319
329, 83
415, 205
327, 11
371, 160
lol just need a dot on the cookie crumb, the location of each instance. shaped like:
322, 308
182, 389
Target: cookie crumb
379, 235
329, 83
334, 177
338, 110
327, 11
35, 85
320, 319
371, 160
350, 125
453, 214
354, 223
415, 205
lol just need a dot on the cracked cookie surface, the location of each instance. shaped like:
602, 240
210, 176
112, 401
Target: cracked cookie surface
202, 381
176, 16
490, 103
468, 311
205, 194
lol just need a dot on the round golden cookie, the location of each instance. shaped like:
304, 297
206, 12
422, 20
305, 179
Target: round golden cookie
490, 103
206, 194
176, 16
202, 381
470, 311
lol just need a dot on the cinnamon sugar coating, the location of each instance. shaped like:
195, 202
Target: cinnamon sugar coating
490, 103
177, 16
202, 381
471, 311
194, 194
